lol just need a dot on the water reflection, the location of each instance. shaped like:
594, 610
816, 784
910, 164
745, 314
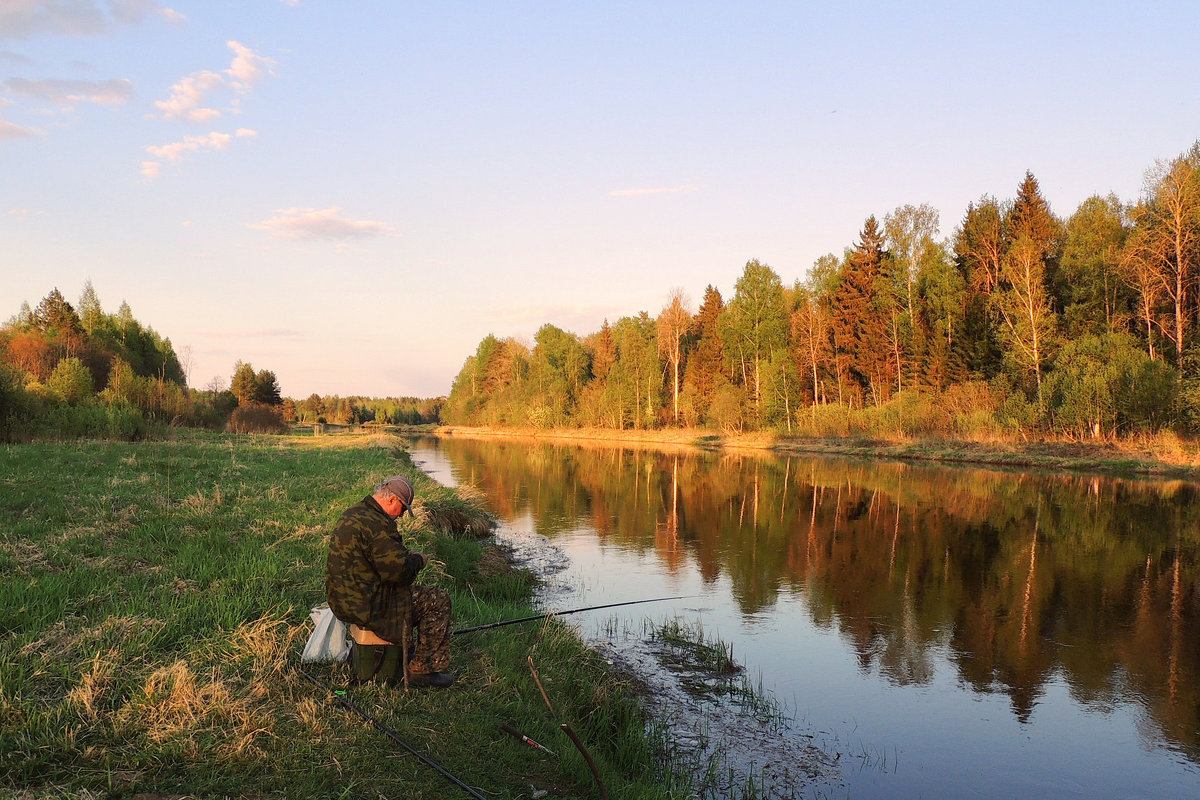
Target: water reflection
1022, 579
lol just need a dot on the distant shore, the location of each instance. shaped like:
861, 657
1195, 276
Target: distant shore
1160, 457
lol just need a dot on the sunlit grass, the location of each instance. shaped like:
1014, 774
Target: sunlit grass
156, 596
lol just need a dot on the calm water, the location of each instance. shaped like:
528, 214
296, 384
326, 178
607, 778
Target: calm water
951, 632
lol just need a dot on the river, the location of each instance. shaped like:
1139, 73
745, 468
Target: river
935, 632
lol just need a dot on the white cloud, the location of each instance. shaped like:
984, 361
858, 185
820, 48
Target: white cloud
247, 66
173, 152
662, 190
9, 130
187, 96
23, 19
328, 223
68, 93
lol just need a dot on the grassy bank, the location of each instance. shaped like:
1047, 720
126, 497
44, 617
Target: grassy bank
155, 599
1163, 455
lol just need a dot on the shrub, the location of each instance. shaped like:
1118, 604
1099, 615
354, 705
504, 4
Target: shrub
64, 421
256, 418
16, 405
971, 407
907, 413
727, 408
1100, 384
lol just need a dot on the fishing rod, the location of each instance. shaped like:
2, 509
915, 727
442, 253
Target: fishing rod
426, 760
549, 614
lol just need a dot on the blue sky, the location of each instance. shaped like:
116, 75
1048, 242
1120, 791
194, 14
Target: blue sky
353, 194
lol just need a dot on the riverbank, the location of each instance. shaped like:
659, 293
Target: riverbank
1163, 456
153, 617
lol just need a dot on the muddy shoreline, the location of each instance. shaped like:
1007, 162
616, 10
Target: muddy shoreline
731, 733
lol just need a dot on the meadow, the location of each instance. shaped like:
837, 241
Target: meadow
155, 598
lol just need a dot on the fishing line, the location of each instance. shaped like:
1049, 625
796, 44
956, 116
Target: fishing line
426, 760
549, 614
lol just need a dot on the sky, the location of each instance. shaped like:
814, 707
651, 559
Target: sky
353, 194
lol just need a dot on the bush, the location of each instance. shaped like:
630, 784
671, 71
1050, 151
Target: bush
1102, 384
119, 422
256, 418
907, 413
971, 407
16, 405
728, 405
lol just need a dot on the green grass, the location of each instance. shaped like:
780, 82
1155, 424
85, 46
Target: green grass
155, 599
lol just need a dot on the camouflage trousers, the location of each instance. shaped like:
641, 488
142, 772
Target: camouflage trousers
431, 618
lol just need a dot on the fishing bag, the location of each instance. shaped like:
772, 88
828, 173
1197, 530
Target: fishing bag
328, 639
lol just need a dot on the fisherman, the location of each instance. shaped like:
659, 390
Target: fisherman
369, 582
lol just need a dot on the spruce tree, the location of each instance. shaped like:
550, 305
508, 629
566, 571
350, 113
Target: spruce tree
706, 361
859, 324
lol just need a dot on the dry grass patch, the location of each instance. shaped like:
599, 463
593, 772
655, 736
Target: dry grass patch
268, 643
201, 503
94, 684
172, 702
28, 556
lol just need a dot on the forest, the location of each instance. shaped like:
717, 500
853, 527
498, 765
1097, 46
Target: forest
1019, 324
76, 371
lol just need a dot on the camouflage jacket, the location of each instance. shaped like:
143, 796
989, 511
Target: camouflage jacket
369, 571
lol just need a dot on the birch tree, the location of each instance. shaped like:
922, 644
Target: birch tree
1025, 307
673, 324
1168, 220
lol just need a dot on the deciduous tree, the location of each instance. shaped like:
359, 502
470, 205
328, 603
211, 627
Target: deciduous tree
673, 324
1029, 322
910, 236
1095, 297
755, 324
1168, 224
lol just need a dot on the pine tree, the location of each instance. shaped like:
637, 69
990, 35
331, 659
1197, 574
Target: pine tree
266, 388
244, 384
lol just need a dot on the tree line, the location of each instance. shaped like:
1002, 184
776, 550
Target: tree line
1019, 322
68, 371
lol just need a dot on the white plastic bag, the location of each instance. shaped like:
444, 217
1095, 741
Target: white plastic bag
328, 640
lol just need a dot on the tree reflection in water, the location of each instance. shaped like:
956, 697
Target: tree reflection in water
1022, 577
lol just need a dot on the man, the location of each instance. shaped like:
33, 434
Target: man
369, 582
